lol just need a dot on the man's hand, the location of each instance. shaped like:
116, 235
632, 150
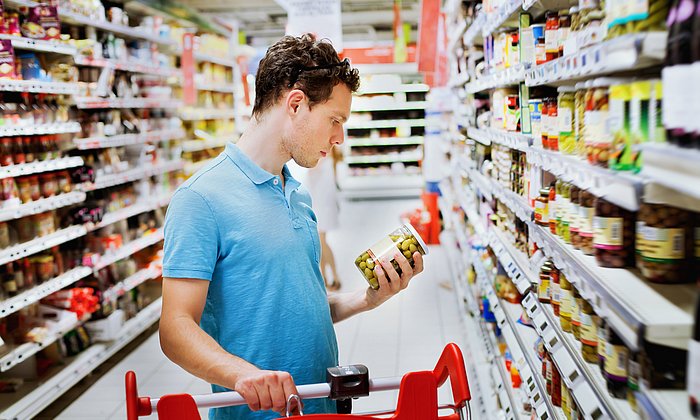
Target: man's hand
266, 390
390, 282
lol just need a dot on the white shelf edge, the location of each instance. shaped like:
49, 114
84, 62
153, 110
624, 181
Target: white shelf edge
23, 43
129, 249
360, 125
41, 129
119, 103
128, 139
407, 88
36, 86
134, 174
42, 205
401, 106
39, 167
130, 283
385, 141
43, 243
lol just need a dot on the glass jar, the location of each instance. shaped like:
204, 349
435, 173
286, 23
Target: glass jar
550, 35
560, 207
585, 219
536, 121
64, 182
6, 158
555, 291
613, 238
34, 187
565, 111
579, 116
44, 267
25, 189
563, 31
574, 216
552, 208
18, 151
566, 305
553, 133
540, 51
4, 235
544, 288
616, 364
556, 386
576, 303
665, 244
49, 185
565, 397
550, 372
545, 124
405, 239
566, 212
601, 326
28, 146
589, 334
542, 208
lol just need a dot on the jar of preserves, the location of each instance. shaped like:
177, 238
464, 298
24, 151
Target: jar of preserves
34, 187
545, 124
566, 213
566, 305
64, 182
551, 32
574, 216
553, 133
44, 267
29, 149
555, 290
560, 207
6, 155
565, 111
601, 326
585, 220
665, 244
542, 208
613, 235
579, 115
563, 31
49, 184
552, 208
616, 355
589, 334
576, 303
404, 239
544, 289
25, 189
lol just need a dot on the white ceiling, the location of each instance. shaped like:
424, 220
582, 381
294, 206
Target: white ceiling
264, 20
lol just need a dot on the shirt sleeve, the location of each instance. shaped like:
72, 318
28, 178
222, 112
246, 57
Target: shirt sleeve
191, 244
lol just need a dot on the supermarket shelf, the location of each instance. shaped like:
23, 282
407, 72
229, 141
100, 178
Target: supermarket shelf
622, 54
508, 77
509, 139
506, 14
621, 188
456, 34
122, 30
635, 308
42, 205
666, 404
118, 103
413, 157
668, 167
111, 180
459, 81
517, 203
384, 141
206, 114
37, 86
128, 249
43, 243
41, 129
513, 261
39, 396
128, 139
14, 304
210, 87
359, 125
388, 68
130, 283
199, 145
473, 32
381, 186
24, 351
39, 167
22, 43
131, 66
131, 211
413, 87
399, 106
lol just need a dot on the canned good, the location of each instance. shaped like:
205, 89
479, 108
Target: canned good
405, 239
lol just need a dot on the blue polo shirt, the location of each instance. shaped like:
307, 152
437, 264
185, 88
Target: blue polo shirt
234, 225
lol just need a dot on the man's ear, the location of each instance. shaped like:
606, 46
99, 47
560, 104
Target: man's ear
295, 99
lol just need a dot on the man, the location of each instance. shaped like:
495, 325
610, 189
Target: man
244, 302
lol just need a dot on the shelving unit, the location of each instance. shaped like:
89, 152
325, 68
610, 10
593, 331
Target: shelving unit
128, 139
42, 205
641, 313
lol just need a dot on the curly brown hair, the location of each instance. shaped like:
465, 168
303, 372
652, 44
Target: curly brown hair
293, 62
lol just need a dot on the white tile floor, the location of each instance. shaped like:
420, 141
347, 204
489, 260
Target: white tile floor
405, 334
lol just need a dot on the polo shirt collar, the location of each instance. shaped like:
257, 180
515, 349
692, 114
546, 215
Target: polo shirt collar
254, 172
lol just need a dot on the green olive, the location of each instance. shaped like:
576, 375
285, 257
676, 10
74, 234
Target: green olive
407, 254
413, 248
374, 284
365, 256
368, 273
363, 265
405, 245
370, 266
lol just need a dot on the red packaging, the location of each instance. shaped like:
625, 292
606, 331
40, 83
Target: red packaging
7, 60
42, 23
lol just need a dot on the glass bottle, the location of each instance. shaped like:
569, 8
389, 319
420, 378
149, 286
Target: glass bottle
589, 334
24, 110
552, 208
550, 35
29, 148
542, 208
616, 356
543, 290
576, 303
556, 290
565, 307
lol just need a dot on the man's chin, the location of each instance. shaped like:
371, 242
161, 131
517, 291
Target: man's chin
308, 163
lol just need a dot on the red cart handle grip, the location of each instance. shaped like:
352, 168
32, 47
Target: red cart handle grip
135, 406
451, 364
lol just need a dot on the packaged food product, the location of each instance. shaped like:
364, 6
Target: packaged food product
4, 235
574, 217
49, 184
565, 208
7, 60
665, 244
34, 187
553, 130
42, 23
576, 303
641, 123
619, 126
616, 356
542, 208
556, 386
585, 219
512, 113
555, 290
589, 333
560, 207
553, 208
545, 123
536, 121
565, 111
598, 138
579, 117
544, 289
551, 38
44, 267
25, 189
404, 239
613, 235
567, 304
64, 182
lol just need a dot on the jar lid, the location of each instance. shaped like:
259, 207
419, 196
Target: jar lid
544, 191
608, 81
418, 237
580, 85
566, 89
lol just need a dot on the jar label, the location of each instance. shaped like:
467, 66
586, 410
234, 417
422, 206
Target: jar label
663, 244
551, 44
565, 209
565, 305
384, 248
639, 242
616, 361
607, 232
541, 213
585, 227
543, 290
566, 120
553, 210
575, 311
555, 290
602, 343
574, 218
694, 369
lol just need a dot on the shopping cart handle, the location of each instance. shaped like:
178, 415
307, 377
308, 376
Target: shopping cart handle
451, 364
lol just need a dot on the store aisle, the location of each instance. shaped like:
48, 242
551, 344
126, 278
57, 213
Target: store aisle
405, 334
